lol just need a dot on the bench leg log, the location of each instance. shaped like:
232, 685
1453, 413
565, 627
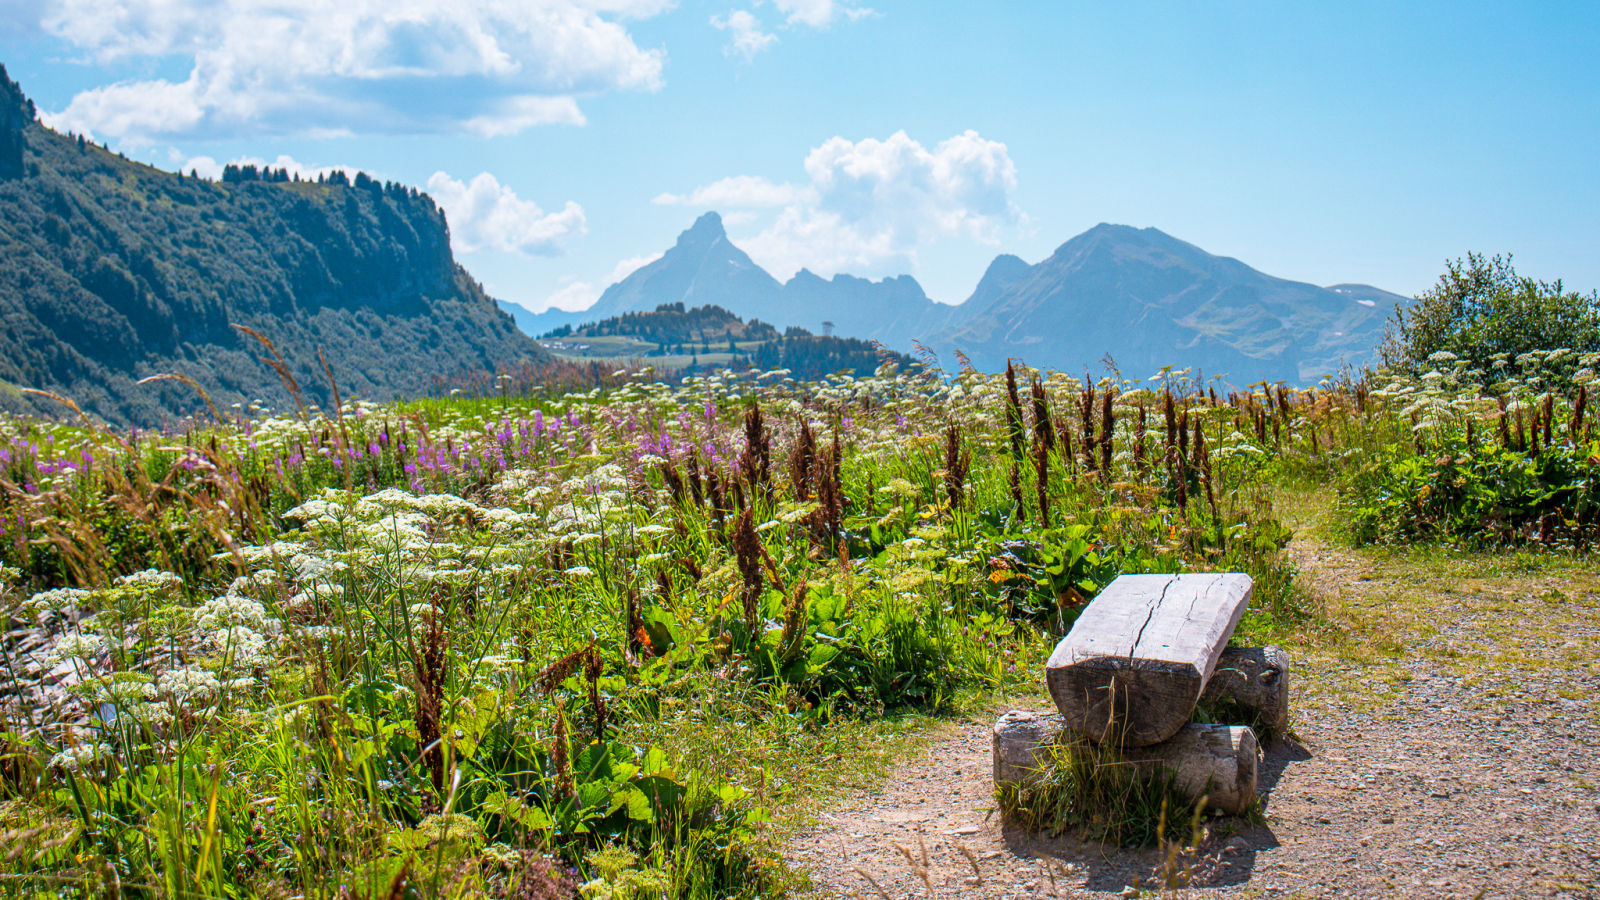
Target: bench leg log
1256, 679
1218, 762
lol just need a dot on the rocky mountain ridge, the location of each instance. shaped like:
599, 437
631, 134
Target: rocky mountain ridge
112, 271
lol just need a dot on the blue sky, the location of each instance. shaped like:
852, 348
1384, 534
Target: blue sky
572, 139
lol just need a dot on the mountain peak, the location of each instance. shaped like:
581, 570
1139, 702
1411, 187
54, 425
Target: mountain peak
1005, 271
707, 227
704, 267
1151, 300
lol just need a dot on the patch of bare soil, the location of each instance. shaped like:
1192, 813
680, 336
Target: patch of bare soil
1447, 747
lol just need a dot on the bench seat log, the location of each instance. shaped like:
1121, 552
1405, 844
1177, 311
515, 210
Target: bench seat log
1136, 661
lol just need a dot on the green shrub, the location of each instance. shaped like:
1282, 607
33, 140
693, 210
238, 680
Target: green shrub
1482, 308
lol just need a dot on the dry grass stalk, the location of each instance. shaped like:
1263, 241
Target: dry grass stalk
957, 461
872, 881
747, 553
921, 865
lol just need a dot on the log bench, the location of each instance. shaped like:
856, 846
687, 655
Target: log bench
1129, 675
1218, 762
1139, 656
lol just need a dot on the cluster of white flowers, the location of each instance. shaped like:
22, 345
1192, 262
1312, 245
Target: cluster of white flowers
321, 633
75, 646
229, 611
74, 759
308, 566
151, 580
317, 590
58, 600
255, 583
1236, 444
442, 505
265, 554
397, 532
319, 510
242, 646
189, 685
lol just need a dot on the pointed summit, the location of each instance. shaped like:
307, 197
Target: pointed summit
1005, 271
707, 226
702, 267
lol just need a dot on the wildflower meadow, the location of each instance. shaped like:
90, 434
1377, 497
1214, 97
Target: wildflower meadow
615, 642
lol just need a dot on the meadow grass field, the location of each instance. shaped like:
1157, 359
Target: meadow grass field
619, 642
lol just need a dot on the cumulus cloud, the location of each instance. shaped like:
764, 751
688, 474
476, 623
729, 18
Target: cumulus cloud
579, 295
819, 13
874, 204
304, 68
747, 37
486, 215
738, 191
628, 266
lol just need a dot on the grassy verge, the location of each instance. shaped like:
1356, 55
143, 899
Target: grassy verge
1488, 618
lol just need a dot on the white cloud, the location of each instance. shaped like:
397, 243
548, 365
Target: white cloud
628, 266
819, 13
738, 191
580, 295
748, 38
303, 67
486, 215
872, 205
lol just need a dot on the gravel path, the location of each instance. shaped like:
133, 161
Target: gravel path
1457, 759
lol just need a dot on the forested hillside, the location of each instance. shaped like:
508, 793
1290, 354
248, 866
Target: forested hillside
112, 271
695, 339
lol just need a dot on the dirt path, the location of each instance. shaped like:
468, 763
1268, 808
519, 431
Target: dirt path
1451, 750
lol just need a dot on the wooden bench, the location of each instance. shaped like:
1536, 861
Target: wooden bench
1136, 661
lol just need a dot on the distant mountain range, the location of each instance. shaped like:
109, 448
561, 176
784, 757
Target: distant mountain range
704, 267
1145, 298
111, 271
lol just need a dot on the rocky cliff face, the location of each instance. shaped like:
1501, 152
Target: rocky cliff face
111, 271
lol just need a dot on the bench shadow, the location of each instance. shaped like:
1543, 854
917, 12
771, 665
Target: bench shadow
1275, 758
1226, 860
